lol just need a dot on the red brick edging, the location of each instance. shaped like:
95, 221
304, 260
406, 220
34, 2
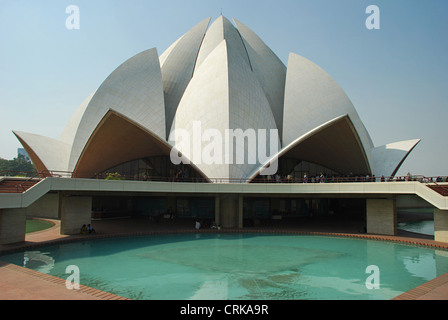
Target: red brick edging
424, 288
42, 276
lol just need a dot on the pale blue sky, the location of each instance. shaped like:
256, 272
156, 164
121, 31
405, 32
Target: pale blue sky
396, 77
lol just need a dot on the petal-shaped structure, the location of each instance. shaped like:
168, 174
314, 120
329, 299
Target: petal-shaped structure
221, 29
233, 104
334, 144
269, 70
312, 97
117, 139
47, 154
223, 95
135, 90
68, 135
177, 64
387, 159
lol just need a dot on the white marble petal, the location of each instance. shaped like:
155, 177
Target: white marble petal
52, 153
313, 97
68, 135
269, 70
177, 64
219, 30
387, 159
133, 89
223, 94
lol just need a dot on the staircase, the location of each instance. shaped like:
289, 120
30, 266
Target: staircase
16, 185
439, 188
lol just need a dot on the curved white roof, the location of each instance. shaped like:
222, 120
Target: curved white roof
68, 135
313, 97
46, 153
221, 29
269, 70
177, 64
224, 78
387, 159
133, 89
222, 95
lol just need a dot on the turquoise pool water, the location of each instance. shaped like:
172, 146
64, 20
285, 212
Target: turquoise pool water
240, 266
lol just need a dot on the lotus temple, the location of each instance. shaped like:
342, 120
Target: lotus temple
217, 127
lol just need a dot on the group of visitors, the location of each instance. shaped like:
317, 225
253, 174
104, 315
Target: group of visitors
315, 179
205, 225
323, 178
87, 229
182, 175
320, 178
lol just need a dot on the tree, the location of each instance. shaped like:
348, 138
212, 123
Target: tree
17, 166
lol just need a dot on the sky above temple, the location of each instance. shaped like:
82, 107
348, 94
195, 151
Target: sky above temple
395, 76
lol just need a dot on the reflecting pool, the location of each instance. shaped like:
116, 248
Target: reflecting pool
223, 266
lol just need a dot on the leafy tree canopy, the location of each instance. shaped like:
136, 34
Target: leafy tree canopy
19, 166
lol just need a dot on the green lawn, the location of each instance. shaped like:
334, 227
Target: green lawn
33, 225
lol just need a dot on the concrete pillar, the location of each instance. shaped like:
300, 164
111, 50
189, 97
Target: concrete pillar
440, 225
12, 225
227, 210
74, 212
231, 211
381, 216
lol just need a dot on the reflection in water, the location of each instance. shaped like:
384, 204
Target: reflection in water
414, 265
38, 261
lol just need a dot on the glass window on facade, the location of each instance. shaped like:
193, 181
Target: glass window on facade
158, 168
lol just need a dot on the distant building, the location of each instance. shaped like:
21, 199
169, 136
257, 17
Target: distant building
22, 151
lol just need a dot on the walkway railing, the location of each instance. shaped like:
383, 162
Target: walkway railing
20, 181
434, 181
277, 179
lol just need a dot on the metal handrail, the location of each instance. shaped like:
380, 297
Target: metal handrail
267, 179
258, 179
31, 178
